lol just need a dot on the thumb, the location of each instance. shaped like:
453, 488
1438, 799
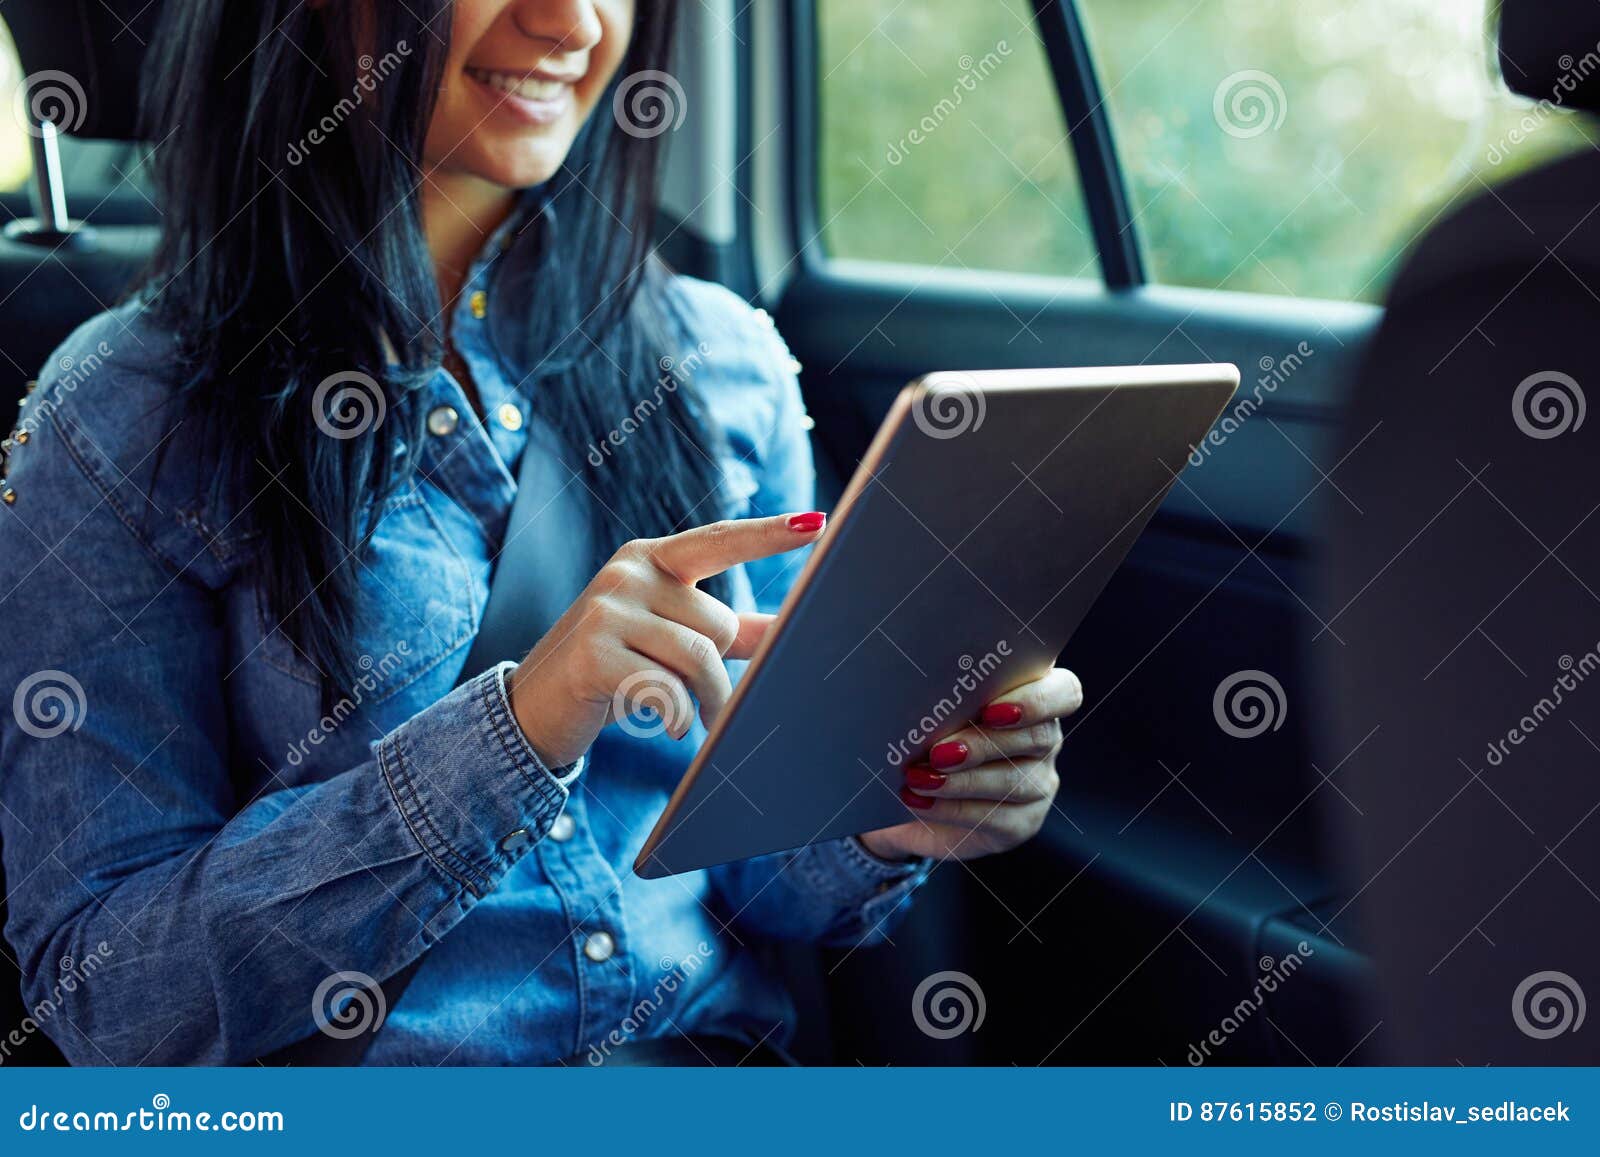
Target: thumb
752, 629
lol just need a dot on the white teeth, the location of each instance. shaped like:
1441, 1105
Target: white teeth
529, 87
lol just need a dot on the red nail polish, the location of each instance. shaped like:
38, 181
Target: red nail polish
950, 753
808, 522
912, 800
1001, 715
921, 777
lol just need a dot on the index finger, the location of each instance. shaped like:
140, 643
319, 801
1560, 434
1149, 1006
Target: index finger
711, 549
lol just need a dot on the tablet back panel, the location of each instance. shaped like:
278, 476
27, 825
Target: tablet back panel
987, 516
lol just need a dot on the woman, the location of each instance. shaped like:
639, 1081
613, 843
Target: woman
403, 246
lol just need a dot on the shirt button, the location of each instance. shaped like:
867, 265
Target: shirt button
510, 417
562, 830
442, 421
599, 946
515, 842
478, 303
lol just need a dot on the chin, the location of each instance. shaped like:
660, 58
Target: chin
528, 163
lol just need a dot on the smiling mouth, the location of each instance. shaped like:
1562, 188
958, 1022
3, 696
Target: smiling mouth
534, 88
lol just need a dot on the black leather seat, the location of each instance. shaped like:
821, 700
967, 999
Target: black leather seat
49, 286
1467, 592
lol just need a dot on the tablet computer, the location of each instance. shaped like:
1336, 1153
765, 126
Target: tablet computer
986, 517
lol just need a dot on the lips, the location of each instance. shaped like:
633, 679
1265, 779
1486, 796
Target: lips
528, 87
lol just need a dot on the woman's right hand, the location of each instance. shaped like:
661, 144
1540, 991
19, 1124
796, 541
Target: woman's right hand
641, 635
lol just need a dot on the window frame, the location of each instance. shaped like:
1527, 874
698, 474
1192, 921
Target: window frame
1112, 227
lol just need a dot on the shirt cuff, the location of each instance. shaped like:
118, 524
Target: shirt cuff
475, 795
875, 888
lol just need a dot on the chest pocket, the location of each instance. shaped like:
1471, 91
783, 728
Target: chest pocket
418, 606
738, 488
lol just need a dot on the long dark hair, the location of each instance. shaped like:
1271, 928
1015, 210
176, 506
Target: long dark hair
277, 274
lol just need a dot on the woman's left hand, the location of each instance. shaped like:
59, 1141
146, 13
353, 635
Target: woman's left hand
989, 786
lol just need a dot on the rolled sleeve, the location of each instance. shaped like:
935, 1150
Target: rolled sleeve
869, 891
475, 795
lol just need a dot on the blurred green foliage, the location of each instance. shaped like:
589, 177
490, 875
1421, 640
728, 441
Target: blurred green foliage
1268, 145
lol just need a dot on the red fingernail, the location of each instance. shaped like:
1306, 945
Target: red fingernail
807, 523
921, 777
950, 753
1002, 715
912, 800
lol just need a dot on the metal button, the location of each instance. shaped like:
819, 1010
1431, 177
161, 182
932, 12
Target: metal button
599, 946
510, 417
517, 841
442, 421
478, 303
562, 830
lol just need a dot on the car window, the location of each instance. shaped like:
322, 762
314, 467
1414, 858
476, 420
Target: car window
1297, 148
941, 139
14, 162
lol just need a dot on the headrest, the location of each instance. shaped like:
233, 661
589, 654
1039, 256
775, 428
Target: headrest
81, 61
1550, 50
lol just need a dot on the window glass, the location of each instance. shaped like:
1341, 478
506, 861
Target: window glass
942, 140
14, 161
1296, 148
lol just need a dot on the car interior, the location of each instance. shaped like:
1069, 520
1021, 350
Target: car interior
1382, 214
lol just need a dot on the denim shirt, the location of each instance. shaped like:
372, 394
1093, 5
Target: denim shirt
175, 806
